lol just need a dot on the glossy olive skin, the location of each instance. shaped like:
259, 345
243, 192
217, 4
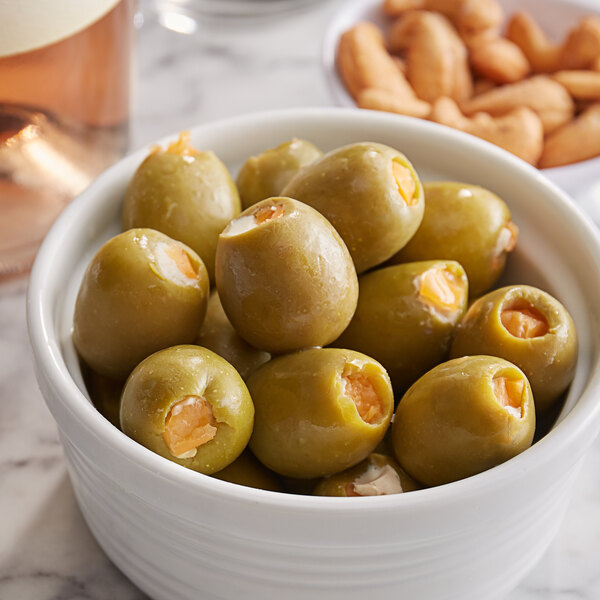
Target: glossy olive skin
355, 189
168, 376
449, 425
466, 223
186, 194
105, 393
348, 483
399, 327
549, 360
133, 301
246, 470
218, 334
306, 426
265, 175
286, 283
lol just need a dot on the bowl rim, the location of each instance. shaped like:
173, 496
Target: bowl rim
51, 367
341, 97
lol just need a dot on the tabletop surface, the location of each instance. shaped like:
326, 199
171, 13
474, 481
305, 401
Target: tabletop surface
46, 549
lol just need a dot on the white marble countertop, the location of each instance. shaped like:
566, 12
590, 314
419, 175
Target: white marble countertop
46, 550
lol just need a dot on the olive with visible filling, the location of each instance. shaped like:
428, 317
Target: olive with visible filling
406, 316
377, 475
465, 223
284, 276
531, 329
319, 411
190, 406
142, 292
370, 193
265, 175
185, 193
218, 334
463, 417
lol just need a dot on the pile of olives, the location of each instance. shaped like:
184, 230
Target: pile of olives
338, 337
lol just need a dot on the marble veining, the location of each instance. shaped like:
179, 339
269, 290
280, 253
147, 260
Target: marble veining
46, 550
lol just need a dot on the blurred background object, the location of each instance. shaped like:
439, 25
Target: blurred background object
184, 16
64, 110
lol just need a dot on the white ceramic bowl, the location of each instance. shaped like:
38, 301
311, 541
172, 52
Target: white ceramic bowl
182, 535
581, 180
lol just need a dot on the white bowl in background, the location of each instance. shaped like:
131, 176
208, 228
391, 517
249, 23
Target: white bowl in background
580, 180
180, 535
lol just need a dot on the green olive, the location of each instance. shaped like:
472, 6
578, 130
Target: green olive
265, 175
463, 417
285, 277
319, 411
141, 292
217, 334
406, 316
190, 406
377, 475
466, 223
186, 194
531, 329
370, 193
246, 470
